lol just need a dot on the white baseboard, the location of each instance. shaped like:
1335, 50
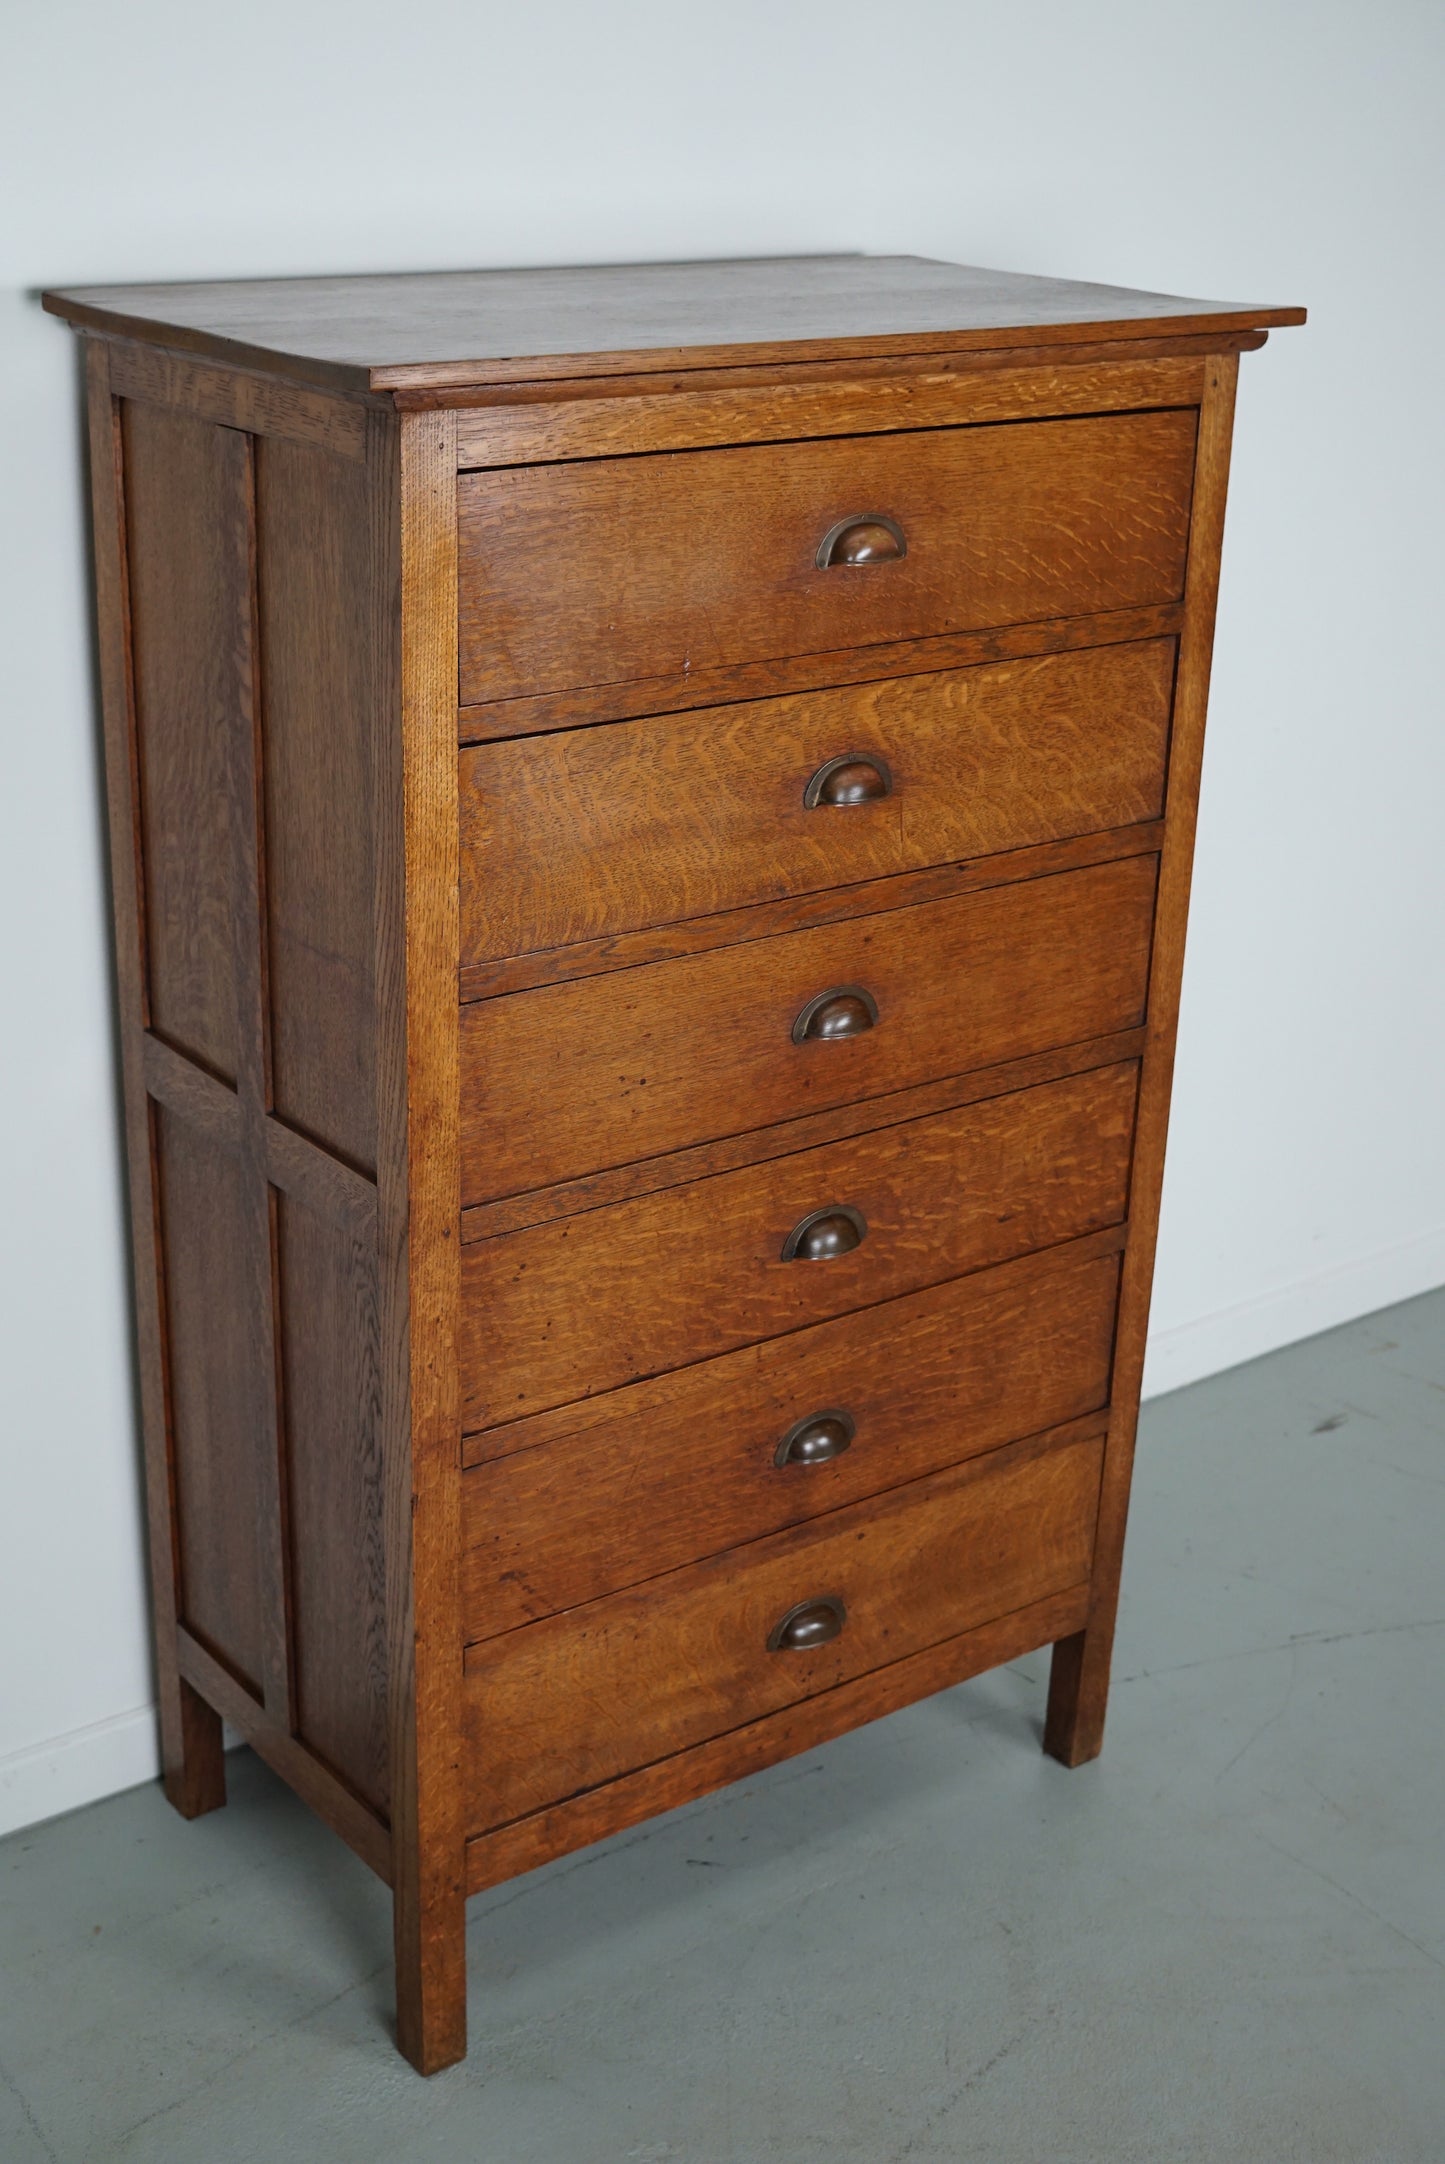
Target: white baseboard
1193, 1350
121, 1752
78, 1768
70, 1771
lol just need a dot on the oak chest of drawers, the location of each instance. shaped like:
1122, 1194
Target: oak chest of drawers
650, 821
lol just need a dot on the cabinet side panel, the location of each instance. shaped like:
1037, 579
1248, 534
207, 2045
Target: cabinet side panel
213, 1396
313, 606
191, 1749
248, 563
321, 603
187, 493
331, 1398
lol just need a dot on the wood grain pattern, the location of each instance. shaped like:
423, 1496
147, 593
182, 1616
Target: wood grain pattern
291, 1162
650, 1175
190, 555
232, 398
574, 1308
737, 375
653, 1477
213, 1686
319, 584
564, 1081
314, 605
211, 1109
703, 559
416, 931
801, 912
560, 1706
254, 1234
214, 1396
329, 1353
654, 418
1079, 1684
193, 1761
529, 715
591, 832
443, 328
739, 1752
241, 631
269, 685
328, 1187
188, 546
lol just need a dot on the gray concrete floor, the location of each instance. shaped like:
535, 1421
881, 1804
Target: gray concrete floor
1226, 1940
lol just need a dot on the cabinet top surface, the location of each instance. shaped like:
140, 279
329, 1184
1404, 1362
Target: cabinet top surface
445, 329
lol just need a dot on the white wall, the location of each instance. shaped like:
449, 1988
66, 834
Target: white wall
1262, 150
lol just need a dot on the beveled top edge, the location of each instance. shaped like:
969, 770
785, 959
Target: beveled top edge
455, 329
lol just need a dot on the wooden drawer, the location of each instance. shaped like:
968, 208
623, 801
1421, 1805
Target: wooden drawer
563, 1704
601, 1496
572, 1078
579, 1306
591, 832
623, 570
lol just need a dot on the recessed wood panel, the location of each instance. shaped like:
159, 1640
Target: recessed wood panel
590, 832
659, 565
571, 1309
562, 1705
609, 1494
572, 1078
188, 547
213, 1391
314, 604
331, 1384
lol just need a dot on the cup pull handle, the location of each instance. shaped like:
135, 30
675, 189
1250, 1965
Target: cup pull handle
816, 1439
864, 537
825, 1234
810, 1623
854, 777
846, 1011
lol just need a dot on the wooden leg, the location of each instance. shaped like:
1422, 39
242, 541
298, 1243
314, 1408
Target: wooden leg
1078, 1696
195, 1763
1079, 1684
418, 1185
431, 1975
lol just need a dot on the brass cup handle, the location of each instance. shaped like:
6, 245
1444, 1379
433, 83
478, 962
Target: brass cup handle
854, 777
816, 1439
864, 537
846, 1011
810, 1623
825, 1234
